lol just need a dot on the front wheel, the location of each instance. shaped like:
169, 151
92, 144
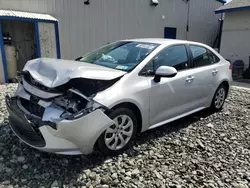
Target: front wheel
219, 98
117, 137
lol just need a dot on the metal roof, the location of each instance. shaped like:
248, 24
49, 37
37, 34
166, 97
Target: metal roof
10, 14
235, 5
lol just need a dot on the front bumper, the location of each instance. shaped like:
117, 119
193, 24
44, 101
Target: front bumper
59, 136
25, 126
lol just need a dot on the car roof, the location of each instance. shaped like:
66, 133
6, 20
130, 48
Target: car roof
163, 41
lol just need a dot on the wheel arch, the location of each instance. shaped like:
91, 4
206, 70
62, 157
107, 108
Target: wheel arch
135, 109
130, 106
225, 83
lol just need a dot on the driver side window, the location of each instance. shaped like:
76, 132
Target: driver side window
174, 56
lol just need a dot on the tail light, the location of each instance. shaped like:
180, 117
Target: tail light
231, 67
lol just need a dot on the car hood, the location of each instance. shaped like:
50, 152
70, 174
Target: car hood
55, 72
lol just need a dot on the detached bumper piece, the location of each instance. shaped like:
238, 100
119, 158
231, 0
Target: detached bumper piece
47, 126
25, 126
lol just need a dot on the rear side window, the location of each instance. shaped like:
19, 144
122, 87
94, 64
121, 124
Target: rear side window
203, 56
212, 57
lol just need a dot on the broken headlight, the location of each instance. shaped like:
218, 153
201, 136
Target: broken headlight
94, 106
77, 105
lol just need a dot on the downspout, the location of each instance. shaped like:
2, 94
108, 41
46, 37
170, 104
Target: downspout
188, 13
221, 28
220, 31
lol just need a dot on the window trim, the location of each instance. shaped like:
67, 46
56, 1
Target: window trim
189, 56
192, 58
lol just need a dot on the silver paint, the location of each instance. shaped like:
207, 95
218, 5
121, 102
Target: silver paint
38, 92
189, 91
54, 72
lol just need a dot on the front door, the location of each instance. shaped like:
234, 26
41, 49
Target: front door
172, 96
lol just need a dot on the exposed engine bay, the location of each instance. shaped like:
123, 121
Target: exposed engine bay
54, 107
75, 97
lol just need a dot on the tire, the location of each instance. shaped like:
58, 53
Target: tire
110, 141
219, 98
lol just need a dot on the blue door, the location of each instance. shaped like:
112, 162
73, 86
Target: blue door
170, 32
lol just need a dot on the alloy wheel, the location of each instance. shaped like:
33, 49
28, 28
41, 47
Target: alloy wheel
220, 98
120, 133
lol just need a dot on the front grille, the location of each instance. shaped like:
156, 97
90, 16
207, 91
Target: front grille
27, 133
32, 106
26, 129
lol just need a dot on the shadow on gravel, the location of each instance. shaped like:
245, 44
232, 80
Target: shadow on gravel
21, 165
175, 126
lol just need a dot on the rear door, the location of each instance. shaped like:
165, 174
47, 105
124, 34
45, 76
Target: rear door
205, 72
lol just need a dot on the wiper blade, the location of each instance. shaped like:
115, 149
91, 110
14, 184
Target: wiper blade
78, 59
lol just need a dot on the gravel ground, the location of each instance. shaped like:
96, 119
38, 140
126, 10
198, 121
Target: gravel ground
202, 150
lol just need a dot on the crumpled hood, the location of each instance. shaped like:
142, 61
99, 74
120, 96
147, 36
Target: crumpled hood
55, 72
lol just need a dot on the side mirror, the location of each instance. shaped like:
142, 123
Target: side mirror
164, 71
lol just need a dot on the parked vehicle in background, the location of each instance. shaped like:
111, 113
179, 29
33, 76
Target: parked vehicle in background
106, 97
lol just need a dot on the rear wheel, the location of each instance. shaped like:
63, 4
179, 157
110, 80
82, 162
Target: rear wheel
117, 137
219, 98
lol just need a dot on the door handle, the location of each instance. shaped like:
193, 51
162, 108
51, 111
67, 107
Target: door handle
215, 71
190, 78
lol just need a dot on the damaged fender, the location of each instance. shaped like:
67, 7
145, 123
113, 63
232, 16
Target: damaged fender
84, 132
82, 128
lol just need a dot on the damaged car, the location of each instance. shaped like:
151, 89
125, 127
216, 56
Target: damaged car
107, 96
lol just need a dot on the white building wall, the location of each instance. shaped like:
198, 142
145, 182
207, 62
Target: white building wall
86, 27
235, 40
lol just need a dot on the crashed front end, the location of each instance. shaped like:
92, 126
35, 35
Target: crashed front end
63, 120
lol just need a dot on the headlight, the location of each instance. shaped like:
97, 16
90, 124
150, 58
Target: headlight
91, 106
19, 89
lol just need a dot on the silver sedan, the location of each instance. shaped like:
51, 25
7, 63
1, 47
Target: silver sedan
107, 96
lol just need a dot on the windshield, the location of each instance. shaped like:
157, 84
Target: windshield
124, 55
